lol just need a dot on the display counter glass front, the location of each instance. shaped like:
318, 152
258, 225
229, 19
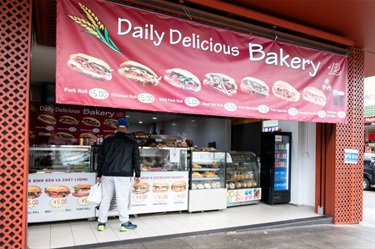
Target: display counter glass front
207, 181
59, 182
63, 158
242, 178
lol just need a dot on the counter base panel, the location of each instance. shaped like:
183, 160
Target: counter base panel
207, 199
235, 204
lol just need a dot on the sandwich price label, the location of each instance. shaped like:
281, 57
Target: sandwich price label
58, 202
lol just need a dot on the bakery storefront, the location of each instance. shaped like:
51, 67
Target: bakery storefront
116, 59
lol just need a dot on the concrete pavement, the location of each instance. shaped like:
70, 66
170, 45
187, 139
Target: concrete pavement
314, 234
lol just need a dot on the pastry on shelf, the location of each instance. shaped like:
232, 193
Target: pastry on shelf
196, 174
196, 166
213, 165
209, 174
194, 186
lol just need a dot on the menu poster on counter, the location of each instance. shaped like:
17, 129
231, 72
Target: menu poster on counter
160, 192
114, 55
59, 196
243, 195
66, 124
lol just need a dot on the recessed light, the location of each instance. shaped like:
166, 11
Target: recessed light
141, 122
173, 124
154, 118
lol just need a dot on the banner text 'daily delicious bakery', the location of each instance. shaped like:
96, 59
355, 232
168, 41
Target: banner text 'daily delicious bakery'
112, 55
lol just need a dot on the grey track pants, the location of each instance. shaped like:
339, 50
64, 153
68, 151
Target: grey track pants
122, 187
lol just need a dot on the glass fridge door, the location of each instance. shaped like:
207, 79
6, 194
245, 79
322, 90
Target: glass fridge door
281, 171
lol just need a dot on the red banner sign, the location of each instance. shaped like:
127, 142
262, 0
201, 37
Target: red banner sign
66, 125
113, 55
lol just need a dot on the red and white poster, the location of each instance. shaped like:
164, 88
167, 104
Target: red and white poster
53, 196
66, 124
160, 192
113, 55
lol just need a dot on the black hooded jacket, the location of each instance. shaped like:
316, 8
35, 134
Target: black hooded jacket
119, 156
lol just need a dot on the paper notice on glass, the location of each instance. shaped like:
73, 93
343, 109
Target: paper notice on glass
350, 156
229, 158
174, 156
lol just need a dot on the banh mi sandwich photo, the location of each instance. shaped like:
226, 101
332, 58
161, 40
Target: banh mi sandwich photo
33, 192
285, 91
89, 121
57, 191
314, 95
178, 186
88, 135
141, 188
64, 136
68, 120
81, 190
90, 67
221, 83
110, 122
252, 85
182, 79
160, 187
138, 73
48, 119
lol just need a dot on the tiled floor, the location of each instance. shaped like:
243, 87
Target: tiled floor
83, 232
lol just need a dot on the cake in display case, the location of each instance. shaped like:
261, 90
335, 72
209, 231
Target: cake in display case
242, 178
207, 181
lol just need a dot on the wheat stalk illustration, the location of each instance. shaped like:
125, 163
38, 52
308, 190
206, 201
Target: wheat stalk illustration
94, 27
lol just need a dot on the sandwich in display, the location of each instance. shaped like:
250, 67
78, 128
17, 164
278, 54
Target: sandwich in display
285, 91
81, 190
314, 95
90, 67
48, 119
138, 73
57, 191
182, 79
221, 83
33, 192
252, 85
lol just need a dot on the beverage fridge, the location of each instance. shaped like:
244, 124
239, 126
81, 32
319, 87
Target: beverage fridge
275, 167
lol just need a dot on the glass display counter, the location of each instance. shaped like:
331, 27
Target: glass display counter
242, 178
62, 158
207, 181
59, 182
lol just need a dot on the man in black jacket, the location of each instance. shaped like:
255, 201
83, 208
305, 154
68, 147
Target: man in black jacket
118, 163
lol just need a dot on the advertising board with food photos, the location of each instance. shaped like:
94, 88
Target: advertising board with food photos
160, 192
70, 125
114, 55
57, 196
